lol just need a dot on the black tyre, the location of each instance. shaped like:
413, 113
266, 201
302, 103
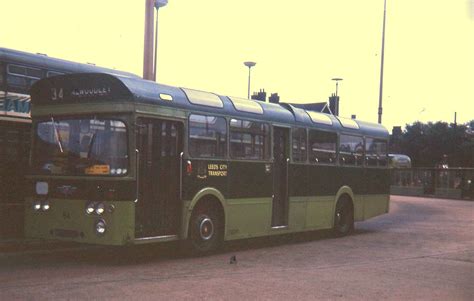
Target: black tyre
205, 233
343, 217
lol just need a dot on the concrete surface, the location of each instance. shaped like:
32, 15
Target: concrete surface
422, 249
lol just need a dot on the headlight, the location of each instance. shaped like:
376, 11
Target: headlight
36, 205
45, 206
100, 227
90, 208
100, 208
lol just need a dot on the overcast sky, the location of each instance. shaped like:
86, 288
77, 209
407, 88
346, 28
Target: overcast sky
298, 45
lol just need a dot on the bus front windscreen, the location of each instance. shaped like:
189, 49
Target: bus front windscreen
80, 147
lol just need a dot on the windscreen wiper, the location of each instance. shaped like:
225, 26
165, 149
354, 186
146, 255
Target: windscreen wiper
57, 135
91, 143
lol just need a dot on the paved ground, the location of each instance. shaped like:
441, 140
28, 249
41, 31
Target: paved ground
423, 249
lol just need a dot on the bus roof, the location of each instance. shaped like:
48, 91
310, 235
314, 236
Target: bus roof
93, 87
54, 64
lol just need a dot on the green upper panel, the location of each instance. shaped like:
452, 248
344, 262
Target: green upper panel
89, 88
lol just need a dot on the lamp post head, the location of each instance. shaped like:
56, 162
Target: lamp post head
250, 64
160, 3
337, 79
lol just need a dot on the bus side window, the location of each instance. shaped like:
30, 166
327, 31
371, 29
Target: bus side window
299, 145
249, 140
322, 147
23, 77
351, 150
376, 152
2, 71
17, 81
207, 136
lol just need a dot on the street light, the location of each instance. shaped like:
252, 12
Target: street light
158, 4
250, 65
337, 79
336, 109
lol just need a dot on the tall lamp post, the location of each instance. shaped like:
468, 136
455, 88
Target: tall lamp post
158, 4
149, 65
250, 65
337, 80
148, 41
381, 62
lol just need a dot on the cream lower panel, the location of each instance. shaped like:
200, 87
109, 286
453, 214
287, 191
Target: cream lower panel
252, 217
375, 205
319, 212
359, 201
248, 217
297, 214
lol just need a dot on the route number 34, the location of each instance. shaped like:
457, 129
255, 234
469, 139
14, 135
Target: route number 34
57, 94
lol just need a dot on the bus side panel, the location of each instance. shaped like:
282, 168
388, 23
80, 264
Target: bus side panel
376, 204
249, 199
356, 179
248, 217
359, 207
376, 200
247, 189
319, 212
298, 183
378, 181
320, 190
297, 213
206, 173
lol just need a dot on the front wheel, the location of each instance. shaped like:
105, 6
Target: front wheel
343, 218
205, 230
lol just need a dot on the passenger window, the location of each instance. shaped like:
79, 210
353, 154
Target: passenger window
23, 77
376, 152
249, 140
322, 147
17, 81
207, 136
299, 145
36, 73
1, 74
17, 70
351, 150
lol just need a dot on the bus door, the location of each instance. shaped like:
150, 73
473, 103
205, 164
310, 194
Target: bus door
158, 209
280, 177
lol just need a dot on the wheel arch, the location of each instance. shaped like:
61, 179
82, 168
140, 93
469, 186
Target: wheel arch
343, 192
208, 194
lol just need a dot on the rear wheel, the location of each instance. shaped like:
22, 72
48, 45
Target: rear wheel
343, 217
205, 229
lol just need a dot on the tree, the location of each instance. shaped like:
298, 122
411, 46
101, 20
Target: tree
427, 144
